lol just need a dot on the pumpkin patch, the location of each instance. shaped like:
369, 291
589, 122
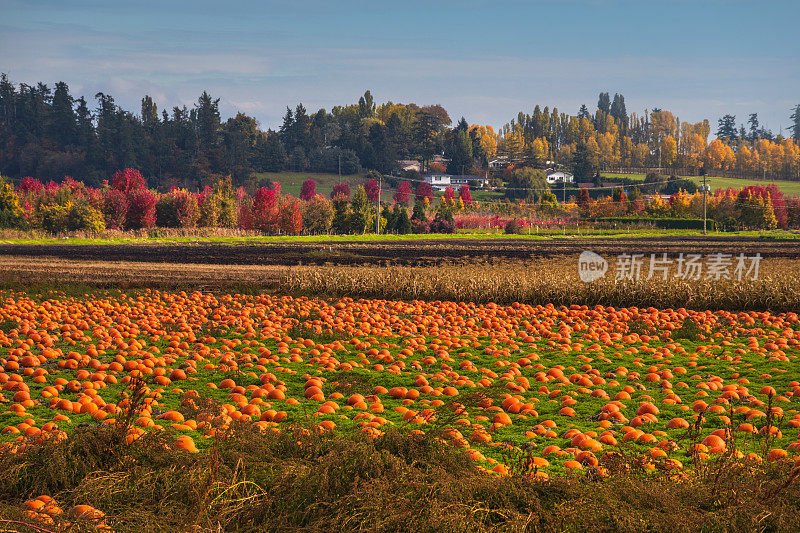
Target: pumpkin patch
573, 388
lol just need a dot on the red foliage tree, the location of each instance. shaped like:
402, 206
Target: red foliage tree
115, 209
449, 194
141, 209
341, 191
437, 168
265, 210
775, 195
290, 219
128, 180
30, 185
424, 190
371, 188
465, 194
309, 190
403, 193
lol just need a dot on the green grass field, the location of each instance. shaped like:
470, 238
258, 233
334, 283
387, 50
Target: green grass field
291, 182
467, 234
789, 188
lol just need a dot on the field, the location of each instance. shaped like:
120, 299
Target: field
449, 385
292, 182
788, 188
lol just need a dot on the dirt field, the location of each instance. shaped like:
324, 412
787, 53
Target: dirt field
431, 251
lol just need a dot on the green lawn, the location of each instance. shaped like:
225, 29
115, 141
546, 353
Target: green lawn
789, 188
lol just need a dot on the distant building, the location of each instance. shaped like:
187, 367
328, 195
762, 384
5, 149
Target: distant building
465, 179
439, 182
558, 176
500, 162
408, 165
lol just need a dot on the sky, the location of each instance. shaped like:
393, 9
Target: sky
484, 60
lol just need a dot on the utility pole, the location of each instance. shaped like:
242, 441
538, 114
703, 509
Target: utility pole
564, 189
378, 207
705, 193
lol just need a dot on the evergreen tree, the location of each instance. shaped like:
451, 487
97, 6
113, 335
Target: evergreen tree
604, 103
63, 127
726, 128
795, 118
361, 212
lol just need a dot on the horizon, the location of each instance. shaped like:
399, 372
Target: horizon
260, 59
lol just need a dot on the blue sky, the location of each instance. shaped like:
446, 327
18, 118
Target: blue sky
485, 60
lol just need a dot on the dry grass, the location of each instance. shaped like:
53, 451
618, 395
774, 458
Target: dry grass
535, 281
302, 480
546, 281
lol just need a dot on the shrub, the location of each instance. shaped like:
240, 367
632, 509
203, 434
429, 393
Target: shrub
441, 224
53, 217
141, 209
11, 215
318, 215
188, 210
115, 209
166, 212
512, 227
84, 217
128, 180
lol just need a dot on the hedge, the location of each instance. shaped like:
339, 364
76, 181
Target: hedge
662, 223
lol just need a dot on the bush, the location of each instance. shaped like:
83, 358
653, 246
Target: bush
512, 227
11, 215
166, 212
141, 209
441, 224
53, 217
420, 225
115, 209
663, 223
128, 180
86, 218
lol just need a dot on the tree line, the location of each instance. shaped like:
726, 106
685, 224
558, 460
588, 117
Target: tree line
47, 133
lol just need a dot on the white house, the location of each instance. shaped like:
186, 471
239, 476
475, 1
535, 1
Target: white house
458, 181
559, 177
439, 182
